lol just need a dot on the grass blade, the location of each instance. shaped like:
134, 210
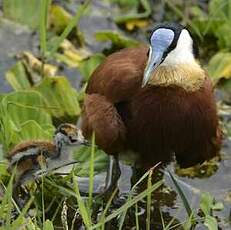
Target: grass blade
136, 216
43, 25
82, 207
133, 188
70, 26
129, 204
91, 172
182, 196
149, 200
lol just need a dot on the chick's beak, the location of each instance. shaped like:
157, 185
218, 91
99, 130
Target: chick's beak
154, 60
82, 140
86, 143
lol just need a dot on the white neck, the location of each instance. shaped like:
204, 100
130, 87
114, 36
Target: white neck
183, 52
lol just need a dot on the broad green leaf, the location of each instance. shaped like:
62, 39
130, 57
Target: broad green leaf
211, 223
87, 66
206, 203
61, 98
220, 66
218, 206
117, 39
23, 116
23, 11
22, 106
223, 33
83, 155
31, 130
48, 225
17, 77
28, 71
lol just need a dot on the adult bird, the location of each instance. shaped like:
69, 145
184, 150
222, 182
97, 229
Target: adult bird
155, 102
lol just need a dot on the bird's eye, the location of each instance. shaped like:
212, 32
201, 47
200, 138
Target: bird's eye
72, 139
148, 52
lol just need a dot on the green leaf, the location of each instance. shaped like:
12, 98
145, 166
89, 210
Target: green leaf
218, 206
31, 130
59, 18
182, 196
134, 12
206, 203
220, 66
87, 66
23, 11
117, 39
211, 223
83, 154
61, 98
17, 77
72, 23
23, 116
48, 225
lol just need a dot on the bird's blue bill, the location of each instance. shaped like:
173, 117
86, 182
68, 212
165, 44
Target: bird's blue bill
154, 60
160, 42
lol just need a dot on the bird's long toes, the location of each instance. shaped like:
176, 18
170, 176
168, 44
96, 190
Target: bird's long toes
120, 200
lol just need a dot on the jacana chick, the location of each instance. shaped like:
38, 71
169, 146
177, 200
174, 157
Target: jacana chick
30, 156
154, 102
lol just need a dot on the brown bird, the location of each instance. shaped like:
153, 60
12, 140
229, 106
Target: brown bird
29, 156
156, 102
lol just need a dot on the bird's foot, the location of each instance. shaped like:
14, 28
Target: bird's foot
119, 200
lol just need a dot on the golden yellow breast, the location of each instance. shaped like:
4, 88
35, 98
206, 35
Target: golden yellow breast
189, 77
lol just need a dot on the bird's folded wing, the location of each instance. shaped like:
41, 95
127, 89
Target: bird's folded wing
101, 116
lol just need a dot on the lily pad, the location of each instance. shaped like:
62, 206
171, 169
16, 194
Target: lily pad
23, 117
87, 66
117, 39
17, 77
220, 66
23, 11
61, 98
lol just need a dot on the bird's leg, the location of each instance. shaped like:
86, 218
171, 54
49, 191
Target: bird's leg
124, 184
118, 175
20, 193
113, 174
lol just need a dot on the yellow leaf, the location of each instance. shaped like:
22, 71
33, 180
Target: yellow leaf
58, 18
226, 73
70, 55
136, 23
32, 63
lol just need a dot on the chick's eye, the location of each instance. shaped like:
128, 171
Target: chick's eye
72, 138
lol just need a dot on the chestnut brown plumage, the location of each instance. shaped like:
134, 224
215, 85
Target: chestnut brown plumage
173, 113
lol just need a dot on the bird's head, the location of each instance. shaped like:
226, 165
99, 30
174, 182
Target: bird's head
170, 44
69, 135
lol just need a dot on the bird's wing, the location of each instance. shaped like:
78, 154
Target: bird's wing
26, 145
120, 76
113, 82
101, 116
